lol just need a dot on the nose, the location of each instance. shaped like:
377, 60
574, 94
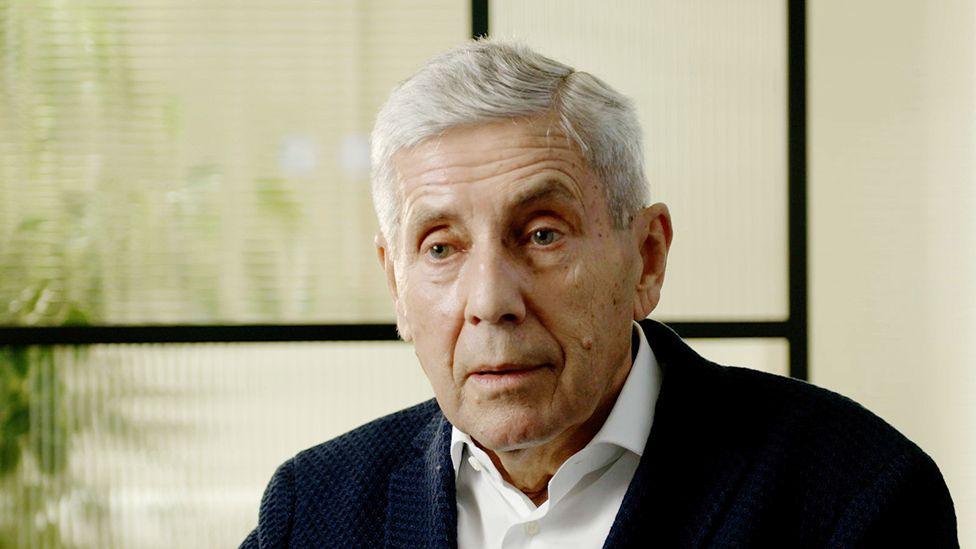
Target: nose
494, 289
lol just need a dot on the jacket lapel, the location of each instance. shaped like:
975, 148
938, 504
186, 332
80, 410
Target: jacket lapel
421, 509
689, 470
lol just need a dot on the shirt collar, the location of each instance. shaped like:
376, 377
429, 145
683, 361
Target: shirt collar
630, 419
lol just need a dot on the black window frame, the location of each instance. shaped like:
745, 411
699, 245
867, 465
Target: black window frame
795, 329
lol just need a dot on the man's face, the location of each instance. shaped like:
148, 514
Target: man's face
512, 282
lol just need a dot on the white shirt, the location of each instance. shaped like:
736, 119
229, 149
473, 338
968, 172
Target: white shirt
584, 493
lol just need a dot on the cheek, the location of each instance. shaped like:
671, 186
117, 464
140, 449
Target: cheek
594, 288
429, 301
434, 320
592, 295
591, 339
434, 350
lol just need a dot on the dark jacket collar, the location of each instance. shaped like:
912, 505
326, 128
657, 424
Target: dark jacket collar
678, 493
688, 472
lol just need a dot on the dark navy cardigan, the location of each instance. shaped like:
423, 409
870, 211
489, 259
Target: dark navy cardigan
735, 458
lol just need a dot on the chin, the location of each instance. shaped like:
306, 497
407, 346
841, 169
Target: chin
510, 429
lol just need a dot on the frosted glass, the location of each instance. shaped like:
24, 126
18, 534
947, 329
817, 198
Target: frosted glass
710, 83
172, 445
198, 161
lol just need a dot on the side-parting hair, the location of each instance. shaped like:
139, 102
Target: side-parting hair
486, 80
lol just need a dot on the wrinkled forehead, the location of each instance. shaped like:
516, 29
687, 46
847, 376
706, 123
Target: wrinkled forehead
478, 151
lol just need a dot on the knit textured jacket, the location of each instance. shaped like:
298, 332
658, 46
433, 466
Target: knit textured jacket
735, 458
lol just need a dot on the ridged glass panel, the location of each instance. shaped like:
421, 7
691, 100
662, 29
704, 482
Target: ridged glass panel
161, 446
198, 161
710, 83
172, 445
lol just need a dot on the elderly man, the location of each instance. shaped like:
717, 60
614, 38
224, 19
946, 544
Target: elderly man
520, 254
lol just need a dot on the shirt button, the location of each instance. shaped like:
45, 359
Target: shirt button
532, 528
474, 464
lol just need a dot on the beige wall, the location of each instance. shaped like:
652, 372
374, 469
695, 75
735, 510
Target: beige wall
892, 183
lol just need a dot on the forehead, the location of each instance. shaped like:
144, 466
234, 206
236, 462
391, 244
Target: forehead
470, 153
498, 158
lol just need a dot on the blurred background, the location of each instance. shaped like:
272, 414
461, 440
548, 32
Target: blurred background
188, 288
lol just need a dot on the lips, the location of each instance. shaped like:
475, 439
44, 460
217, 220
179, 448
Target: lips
502, 369
507, 377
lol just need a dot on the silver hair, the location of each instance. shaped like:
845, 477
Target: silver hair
485, 80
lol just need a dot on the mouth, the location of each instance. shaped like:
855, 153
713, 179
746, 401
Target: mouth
502, 369
507, 375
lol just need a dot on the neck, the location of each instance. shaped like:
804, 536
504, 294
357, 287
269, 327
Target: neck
530, 469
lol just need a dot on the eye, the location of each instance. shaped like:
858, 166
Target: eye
440, 251
545, 237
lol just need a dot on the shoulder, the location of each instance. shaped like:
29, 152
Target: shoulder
764, 410
810, 423
335, 493
813, 460
369, 445
833, 467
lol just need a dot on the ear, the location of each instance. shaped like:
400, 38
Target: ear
652, 236
388, 265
